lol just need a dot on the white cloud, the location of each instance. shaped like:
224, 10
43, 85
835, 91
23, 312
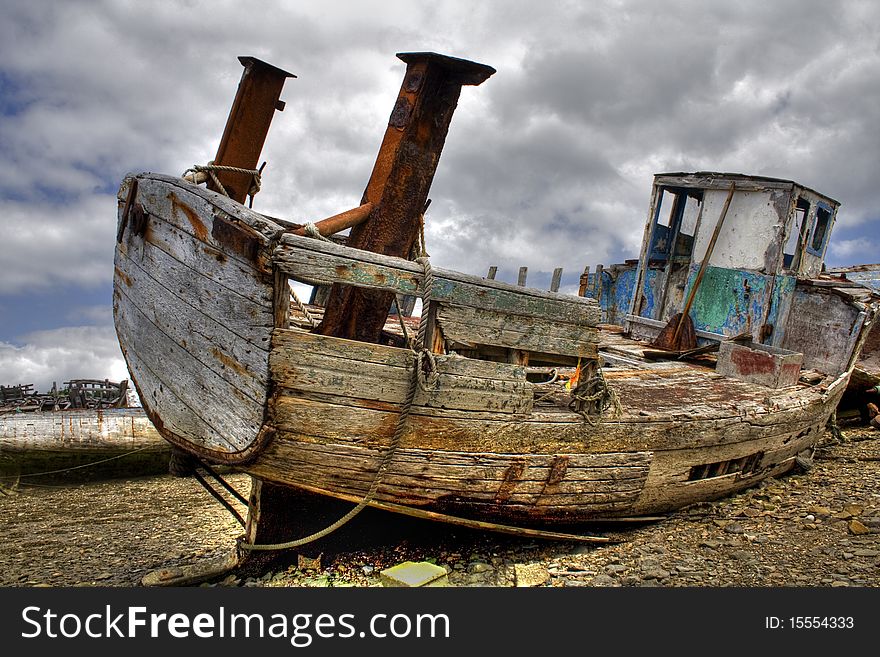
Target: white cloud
46, 244
74, 352
842, 250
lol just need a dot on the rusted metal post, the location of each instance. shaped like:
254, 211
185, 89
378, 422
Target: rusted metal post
585, 280
256, 100
399, 184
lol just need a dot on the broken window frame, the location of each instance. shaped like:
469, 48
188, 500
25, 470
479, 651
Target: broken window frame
798, 236
821, 230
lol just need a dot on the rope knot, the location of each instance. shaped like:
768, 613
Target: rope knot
592, 397
311, 230
199, 173
426, 370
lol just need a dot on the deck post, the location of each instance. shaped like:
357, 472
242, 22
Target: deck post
399, 184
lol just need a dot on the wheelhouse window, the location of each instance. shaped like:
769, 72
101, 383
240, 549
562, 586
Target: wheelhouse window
795, 241
821, 229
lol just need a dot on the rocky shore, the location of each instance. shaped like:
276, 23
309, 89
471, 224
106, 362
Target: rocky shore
818, 528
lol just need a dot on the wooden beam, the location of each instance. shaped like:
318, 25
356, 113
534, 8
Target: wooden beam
341, 221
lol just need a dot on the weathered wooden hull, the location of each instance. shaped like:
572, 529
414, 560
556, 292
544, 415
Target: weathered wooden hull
201, 311
80, 444
684, 436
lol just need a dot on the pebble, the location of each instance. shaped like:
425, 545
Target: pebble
737, 541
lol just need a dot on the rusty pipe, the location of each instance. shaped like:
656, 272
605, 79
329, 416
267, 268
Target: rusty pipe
341, 221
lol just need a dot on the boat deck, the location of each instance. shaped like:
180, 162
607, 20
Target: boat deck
647, 389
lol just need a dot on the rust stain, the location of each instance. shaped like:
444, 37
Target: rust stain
752, 362
511, 478
228, 361
557, 470
191, 216
235, 239
121, 274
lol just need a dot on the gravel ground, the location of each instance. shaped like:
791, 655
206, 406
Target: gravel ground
819, 528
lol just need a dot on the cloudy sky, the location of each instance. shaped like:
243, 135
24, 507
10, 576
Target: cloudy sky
547, 164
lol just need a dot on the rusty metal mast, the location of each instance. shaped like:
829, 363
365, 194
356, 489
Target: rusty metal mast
257, 98
399, 184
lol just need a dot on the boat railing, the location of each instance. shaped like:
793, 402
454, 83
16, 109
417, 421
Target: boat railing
470, 315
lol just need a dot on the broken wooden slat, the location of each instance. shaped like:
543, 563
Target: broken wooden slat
597, 290
556, 280
486, 327
493, 270
585, 279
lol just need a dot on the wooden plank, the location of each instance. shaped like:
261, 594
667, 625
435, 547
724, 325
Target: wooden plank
352, 469
556, 280
177, 416
493, 270
247, 318
492, 466
295, 366
210, 218
239, 277
372, 423
268, 228
391, 356
546, 335
521, 278
183, 388
326, 263
241, 360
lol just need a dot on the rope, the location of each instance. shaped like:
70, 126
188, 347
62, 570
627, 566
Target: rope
398, 300
210, 168
423, 376
594, 390
311, 230
302, 308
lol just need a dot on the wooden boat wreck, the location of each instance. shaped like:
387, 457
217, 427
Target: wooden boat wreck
510, 404
86, 431
862, 397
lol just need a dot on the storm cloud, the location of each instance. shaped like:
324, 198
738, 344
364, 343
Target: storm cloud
547, 164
